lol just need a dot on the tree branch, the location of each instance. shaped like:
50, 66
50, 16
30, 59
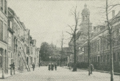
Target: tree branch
110, 7
69, 33
71, 28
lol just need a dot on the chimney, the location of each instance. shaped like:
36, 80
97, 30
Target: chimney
113, 13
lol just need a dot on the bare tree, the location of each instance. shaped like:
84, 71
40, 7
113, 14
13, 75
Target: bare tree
74, 36
108, 8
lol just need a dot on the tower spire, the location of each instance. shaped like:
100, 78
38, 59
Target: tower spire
85, 5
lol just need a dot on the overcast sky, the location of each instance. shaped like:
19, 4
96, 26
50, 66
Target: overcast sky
47, 19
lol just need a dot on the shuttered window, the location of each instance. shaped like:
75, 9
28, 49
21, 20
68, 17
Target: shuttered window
5, 7
5, 32
1, 30
0, 4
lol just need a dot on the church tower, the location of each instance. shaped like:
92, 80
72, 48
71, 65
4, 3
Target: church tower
85, 14
85, 20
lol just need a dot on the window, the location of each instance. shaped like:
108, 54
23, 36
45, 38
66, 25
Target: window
83, 49
5, 6
98, 45
1, 30
5, 33
10, 24
104, 58
96, 48
10, 39
85, 17
98, 59
1, 5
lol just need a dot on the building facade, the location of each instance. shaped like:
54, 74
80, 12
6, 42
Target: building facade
100, 44
16, 44
3, 37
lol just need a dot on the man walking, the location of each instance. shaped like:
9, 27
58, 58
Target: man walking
13, 66
91, 68
33, 66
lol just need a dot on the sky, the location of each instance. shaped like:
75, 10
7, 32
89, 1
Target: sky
47, 19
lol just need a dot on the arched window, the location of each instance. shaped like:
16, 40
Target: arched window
85, 18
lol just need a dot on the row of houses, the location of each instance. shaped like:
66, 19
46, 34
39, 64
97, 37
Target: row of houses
16, 44
99, 43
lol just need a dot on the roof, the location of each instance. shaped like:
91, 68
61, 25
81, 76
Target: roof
11, 11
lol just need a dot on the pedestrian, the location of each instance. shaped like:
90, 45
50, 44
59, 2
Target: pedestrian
55, 66
49, 67
91, 68
33, 66
13, 66
52, 66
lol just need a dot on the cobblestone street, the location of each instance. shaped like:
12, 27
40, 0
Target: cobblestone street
62, 74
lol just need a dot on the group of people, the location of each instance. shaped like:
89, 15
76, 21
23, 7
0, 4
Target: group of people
52, 66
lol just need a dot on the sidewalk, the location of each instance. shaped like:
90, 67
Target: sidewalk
102, 71
6, 75
97, 75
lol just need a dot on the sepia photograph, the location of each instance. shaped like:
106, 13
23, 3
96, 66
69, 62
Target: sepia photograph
59, 40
